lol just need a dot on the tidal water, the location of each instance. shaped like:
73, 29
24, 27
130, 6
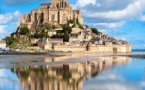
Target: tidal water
64, 73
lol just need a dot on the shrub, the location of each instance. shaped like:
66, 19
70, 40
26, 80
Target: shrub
66, 29
95, 31
66, 37
25, 31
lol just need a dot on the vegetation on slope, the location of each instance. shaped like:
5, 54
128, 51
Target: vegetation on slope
22, 37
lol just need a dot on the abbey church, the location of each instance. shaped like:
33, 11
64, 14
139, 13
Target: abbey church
57, 12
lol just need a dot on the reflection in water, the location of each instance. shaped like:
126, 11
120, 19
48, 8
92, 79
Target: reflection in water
64, 77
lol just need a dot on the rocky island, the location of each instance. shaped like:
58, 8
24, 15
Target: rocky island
57, 27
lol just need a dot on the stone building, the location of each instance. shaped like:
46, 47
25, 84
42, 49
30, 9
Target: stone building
2, 44
52, 32
57, 12
34, 40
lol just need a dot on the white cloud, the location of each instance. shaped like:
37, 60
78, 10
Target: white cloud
143, 83
110, 77
16, 2
123, 38
9, 18
111, 86
111, 81
82, 3
2, 73
133, 10
112, 25
107, 15
111, 13
6, 20
3, 32
7, 78
2, 29
142, 18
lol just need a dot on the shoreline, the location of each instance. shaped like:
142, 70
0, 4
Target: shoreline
141, 56
38, 53
59, 54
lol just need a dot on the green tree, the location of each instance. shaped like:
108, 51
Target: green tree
67, 29
25, 31
48, 26
13, 45
74, 25
95, 31
9, 40
66, 37
12, 34
71, 21
45, 35
38, 35
41, 35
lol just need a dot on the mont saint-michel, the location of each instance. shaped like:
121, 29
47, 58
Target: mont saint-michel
72, 45
58, 27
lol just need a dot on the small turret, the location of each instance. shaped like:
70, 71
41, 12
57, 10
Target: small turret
57, 1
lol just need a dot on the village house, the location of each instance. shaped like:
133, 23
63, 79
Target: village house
2, 44
76, 30
51, 32
34, 40
56, 41
42, 42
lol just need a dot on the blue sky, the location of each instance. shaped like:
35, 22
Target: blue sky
121, 19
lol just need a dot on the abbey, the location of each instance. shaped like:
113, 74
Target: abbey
57, 12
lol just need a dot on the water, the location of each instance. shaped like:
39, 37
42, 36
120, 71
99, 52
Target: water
138, 51
67, 73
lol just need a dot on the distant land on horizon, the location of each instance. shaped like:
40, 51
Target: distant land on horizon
138, 50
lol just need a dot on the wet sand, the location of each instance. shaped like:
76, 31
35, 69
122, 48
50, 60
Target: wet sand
141, 56
9, 61
38, 53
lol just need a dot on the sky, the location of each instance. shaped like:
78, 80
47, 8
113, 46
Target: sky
122, 19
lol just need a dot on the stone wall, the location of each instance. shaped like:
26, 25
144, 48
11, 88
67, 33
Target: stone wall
111, 49
70, 48
100, 49
97, 49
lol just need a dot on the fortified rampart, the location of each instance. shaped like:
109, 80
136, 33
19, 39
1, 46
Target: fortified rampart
110, 49
70, 48
97, 49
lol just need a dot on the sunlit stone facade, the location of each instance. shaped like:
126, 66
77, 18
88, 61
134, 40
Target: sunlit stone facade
57, 12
